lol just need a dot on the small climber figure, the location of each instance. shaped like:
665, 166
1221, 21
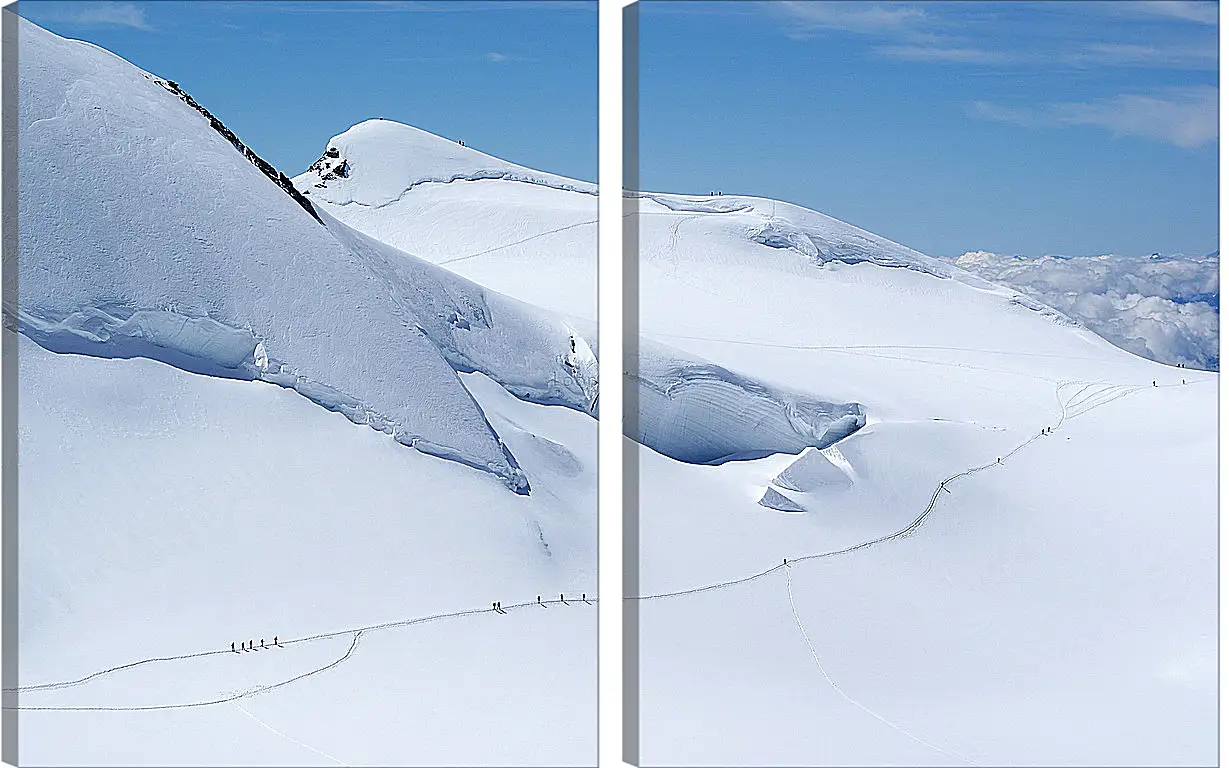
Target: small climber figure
232, 646
999, 460
572, 341
1184, 381
262, 642
583, 598
1154, 382
275, 641
565, 602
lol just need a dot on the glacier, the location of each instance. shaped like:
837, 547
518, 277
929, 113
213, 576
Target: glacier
203, 349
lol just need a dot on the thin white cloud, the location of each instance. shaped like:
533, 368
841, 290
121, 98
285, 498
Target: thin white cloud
986, 110
1055, 36
407, 6
805, 17
496, 56
102, 15
941, 53
1184, 117
1178, 10
1134, 55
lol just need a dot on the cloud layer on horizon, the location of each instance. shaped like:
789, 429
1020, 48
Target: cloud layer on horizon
1163, 308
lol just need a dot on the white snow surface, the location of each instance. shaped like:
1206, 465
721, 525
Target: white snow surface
173, 502
1057, 607
164, 513
537, 245
387, 159
537, 237
179, 249
533, 353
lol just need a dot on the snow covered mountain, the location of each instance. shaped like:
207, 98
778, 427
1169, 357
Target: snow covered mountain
194, 329
809, 388
890, 513
397, 184
408, 188
1011, 562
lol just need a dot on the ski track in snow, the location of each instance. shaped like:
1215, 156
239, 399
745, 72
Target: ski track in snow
1086, 402
875, 347
356, 632
455, 259
877, 351
1090, 396
285, 736
211, 702
815, 655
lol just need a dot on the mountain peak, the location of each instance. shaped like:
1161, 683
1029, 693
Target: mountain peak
383, 159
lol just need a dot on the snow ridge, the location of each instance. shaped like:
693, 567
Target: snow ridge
385, 160
265, 167
534, 354
178, 250
325, 172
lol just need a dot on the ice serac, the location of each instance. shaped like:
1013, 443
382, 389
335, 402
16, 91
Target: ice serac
774, 499
812, 471
701, 413
144, 233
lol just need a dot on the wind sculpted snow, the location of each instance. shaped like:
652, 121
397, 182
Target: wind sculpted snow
144, 233
902, 586
380, 184
386, 159
534, 355
701, 413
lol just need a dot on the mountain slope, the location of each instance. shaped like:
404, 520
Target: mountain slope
151, 263
173, 503
399, 185
164, 512
420, 193
960, 588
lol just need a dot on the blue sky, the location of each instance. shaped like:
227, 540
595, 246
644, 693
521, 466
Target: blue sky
515, 79
1023, 128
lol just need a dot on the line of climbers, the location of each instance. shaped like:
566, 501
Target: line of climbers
250, 645
496, 606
